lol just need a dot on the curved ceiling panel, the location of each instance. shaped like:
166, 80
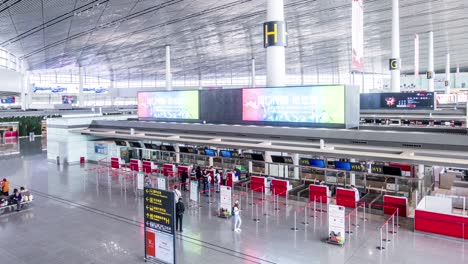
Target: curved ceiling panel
222, 35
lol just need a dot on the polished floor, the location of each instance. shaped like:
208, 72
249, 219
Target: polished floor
80, 217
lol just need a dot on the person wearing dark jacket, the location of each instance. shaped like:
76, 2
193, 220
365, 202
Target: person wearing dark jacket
180, 209
16, 198
183, 180
198, 174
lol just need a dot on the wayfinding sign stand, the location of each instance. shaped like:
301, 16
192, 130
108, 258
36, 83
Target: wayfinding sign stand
336, 225
159, 226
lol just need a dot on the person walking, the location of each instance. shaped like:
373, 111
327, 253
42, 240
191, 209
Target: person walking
180, 209
237, 217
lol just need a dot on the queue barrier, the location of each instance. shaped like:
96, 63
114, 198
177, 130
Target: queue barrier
261, 202
206, 191
385, 225
299, 210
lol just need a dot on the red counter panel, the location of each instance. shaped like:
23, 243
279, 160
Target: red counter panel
346, 198
441, 224
318, 191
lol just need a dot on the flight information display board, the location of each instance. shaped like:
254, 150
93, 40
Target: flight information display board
417, 100
314, 104
182, 105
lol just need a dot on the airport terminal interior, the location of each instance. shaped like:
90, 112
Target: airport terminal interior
233, 131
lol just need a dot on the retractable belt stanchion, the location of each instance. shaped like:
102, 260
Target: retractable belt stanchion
386, 239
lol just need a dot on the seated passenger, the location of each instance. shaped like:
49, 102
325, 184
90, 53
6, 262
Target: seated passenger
24, 191
16, 198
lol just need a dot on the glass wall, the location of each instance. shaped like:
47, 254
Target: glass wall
9, 61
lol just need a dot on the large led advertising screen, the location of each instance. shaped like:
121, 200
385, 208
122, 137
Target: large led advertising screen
168, 105
313, 104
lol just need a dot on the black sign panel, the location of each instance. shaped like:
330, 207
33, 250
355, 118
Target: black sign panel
356, 166
247, 155
394, 64
288, 160
377, 169
187, 150
282, 159
167, 148
159, 210
304, 162
275, 34
429, 75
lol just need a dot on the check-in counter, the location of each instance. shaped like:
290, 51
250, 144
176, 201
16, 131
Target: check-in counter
435, 215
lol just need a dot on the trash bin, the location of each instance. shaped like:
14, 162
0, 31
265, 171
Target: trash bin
82, 160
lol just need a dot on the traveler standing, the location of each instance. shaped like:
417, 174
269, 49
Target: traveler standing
5, 187
208, 183
198, 174
147, 182
177, 193
217, 180
183, 180
180, 209
224, 178
237, 217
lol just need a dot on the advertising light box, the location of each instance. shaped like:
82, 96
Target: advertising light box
417, 100
181, 105
314, 104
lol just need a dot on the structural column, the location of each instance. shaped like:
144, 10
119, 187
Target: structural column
430, 68
253, 75
80, 87
395, 60
416, 60
447, 75
352, 175
296, 159
168, 68
275, 41
112, 91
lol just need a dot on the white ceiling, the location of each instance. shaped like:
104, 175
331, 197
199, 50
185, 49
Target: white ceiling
220, 36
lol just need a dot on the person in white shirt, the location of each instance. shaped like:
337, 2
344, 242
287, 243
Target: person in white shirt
208, 184
217, 180
356, 192
237, 217
177, 193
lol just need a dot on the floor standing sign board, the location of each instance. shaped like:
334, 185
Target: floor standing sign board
159, 226
336, 224
194, 191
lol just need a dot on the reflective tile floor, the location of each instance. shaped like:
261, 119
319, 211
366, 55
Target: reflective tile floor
78, 217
